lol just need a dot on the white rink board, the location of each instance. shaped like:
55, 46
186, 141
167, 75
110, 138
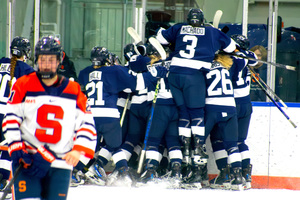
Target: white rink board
273, 142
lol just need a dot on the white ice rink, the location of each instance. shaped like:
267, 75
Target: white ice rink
89, 192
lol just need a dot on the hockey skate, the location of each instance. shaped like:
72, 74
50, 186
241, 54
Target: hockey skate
120, 177
175, 177
237, 179
77, 178
3, 182
3, 186
200, 155
247, 176
222, 181
193, 179
96, 175
149, 174
204, 176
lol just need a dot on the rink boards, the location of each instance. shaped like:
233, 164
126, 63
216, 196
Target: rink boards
274, 147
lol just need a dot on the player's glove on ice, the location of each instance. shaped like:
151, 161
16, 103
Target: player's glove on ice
19, 155
42, 160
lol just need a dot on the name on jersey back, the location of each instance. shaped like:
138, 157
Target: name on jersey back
95, 76
5, 67
192, 30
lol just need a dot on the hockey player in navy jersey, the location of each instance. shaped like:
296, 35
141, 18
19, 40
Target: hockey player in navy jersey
10, 70
221, 122
241, 88
48, 127
164, 125
195, 47
103, 82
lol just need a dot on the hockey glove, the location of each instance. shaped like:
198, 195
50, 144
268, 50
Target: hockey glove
19, 155
158, 72
41, 162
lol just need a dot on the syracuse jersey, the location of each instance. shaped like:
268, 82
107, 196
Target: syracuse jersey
57, 116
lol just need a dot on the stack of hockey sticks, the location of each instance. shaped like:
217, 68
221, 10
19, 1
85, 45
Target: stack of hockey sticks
266, 88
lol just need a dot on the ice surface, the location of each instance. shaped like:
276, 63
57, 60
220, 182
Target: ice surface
90, 192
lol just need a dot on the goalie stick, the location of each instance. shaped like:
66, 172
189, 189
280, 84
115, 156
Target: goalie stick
288, 67
154, 42
274, 102
217, 18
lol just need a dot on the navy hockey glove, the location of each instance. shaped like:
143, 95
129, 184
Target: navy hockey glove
19, 155
41, 162
158, 72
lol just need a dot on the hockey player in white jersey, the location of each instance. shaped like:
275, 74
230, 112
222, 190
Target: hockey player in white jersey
48, 127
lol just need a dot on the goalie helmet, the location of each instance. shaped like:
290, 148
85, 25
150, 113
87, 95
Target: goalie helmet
20, 46
100, 56
48, 46
242, 41
195, 17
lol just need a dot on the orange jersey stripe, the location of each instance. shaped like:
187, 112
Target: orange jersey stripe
88, 130
89, 153
10, 122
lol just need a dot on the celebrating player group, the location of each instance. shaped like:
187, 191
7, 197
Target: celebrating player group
149, 118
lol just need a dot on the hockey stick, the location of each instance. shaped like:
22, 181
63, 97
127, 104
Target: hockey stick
124, 110
288, 67
3, 147
217, 18
274, 102
136, 37
11, 182
154, 42
268, 87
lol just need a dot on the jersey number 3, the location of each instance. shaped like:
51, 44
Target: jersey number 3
43, 120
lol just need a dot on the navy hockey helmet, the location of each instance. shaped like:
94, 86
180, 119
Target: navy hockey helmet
48, 46
241, 40
129, 51
100, 56
195, 17
20, 46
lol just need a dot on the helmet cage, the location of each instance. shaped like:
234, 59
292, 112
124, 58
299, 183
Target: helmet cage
48, 46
